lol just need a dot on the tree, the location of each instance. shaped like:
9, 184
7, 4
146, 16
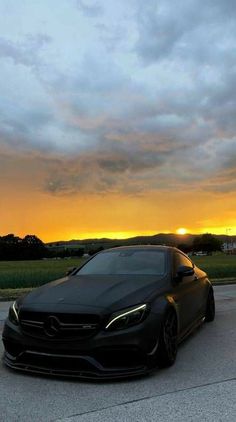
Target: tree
95, 250
14, 248
31, 239
10, 239
207, 243
10, 246
33, 247
184, 247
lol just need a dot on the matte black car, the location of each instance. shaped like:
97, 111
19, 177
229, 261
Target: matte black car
122, 313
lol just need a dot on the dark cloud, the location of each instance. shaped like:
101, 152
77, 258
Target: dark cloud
25, 52
158, 31
91, 9
182, 30
103, 172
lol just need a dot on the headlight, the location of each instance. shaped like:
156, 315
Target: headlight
13, 314
127, 318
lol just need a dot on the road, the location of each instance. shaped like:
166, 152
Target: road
201, 386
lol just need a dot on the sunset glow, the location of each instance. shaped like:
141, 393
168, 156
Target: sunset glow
117, 118
181, 231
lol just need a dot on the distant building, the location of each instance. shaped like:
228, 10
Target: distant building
229, 247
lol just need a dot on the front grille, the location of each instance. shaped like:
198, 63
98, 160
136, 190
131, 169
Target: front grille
57, 363
120, 357
59, 326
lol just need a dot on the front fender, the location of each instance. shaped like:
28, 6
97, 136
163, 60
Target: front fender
163, 305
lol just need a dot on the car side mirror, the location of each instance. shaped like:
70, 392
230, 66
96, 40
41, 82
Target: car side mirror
184, 271
70, 270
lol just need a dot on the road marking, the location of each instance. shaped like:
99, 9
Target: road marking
67, 418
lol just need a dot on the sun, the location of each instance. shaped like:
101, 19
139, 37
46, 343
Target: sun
181, 230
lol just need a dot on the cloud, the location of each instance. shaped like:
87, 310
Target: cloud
141, 168
25, 52
90, 9
112, 37
103, 172
183, 31
147, 104
223, 182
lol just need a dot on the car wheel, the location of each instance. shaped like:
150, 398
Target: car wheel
210, 307
168, 345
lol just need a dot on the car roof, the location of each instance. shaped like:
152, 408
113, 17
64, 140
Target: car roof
143, 247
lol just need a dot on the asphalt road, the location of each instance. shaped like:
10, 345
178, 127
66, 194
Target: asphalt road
201, 386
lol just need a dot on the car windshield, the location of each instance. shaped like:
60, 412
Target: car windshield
147, 262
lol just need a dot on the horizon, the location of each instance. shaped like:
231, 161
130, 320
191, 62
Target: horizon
117, 118
132, 235
140, 235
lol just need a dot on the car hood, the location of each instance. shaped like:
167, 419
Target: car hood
98, 291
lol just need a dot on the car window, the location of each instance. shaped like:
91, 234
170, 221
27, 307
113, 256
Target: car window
181, 259
126, 262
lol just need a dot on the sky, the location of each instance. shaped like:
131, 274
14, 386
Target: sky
117, 118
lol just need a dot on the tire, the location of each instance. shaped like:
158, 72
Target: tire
210, 307
168, 344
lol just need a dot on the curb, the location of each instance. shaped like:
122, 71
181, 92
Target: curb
223, 283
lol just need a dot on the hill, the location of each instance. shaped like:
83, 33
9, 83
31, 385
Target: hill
169, 239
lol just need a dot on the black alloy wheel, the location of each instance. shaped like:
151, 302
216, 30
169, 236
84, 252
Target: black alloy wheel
210, 307
168, 342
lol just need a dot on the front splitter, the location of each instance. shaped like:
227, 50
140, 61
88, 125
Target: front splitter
116, 373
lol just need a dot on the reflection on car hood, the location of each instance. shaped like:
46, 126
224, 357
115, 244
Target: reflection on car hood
102, 291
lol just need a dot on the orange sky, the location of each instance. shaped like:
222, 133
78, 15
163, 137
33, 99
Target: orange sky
26, 208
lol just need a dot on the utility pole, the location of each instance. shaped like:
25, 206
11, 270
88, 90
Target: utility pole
228, 230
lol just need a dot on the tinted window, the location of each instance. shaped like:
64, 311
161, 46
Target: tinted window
182, 260
126, 262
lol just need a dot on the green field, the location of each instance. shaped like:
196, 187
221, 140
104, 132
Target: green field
218, 265
18, 274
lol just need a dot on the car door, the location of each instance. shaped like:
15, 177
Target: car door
202, 288
186, 292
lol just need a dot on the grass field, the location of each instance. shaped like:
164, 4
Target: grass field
18, 274
218, 265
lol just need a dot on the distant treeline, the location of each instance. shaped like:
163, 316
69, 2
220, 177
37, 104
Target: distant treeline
31, 247
206, 243
13, 248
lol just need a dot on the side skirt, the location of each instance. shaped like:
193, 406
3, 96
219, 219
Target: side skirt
190, 329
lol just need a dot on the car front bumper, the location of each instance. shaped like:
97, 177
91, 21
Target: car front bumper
107, 355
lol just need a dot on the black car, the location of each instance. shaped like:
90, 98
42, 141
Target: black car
122, 313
